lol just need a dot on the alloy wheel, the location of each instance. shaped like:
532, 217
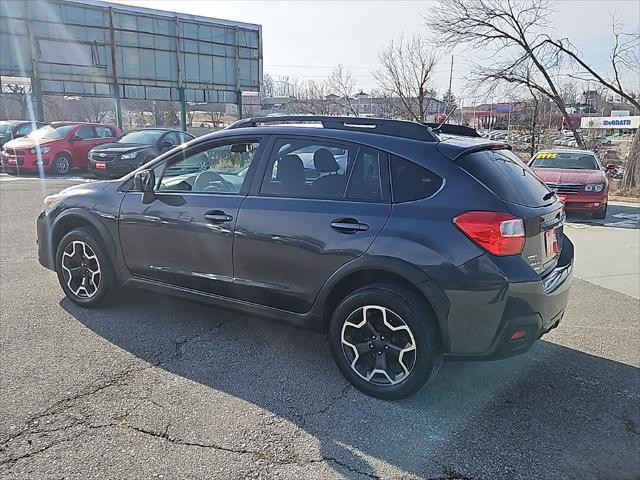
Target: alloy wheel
81, 269
378, 345
62, 164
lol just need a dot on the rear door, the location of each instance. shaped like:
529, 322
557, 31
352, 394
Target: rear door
314, 206
104, 134
524, 196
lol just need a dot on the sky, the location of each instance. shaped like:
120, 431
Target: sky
307, 39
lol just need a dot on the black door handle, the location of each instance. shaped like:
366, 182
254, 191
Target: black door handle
348, 225
217, 216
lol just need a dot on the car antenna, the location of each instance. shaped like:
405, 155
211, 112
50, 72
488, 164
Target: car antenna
437, 129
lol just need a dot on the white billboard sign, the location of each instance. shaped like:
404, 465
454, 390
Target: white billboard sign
610, 122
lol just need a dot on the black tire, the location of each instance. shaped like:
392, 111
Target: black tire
401, 306
105, 281
62, 164
603, 214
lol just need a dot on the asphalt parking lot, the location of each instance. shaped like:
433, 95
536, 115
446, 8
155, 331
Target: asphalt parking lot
156, 387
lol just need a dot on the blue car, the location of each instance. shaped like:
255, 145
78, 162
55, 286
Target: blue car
407, 244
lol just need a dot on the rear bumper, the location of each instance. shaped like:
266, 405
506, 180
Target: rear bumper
497, 300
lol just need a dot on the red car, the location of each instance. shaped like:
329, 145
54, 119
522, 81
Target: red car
57, 147
577, 177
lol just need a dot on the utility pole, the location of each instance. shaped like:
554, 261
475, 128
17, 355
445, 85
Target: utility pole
446, 103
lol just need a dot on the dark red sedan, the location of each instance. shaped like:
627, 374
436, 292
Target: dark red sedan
57, 147
577, 177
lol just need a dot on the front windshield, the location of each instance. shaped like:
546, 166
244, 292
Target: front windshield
5, 127
142, 137
50, 132
568, 160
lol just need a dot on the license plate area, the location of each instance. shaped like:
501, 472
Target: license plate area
101, 165
551, 243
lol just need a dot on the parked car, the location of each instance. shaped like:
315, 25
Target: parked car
11, 129
426, 246
577, 176
133, 149
57, 147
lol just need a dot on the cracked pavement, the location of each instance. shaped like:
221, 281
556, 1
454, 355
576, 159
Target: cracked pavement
157, 387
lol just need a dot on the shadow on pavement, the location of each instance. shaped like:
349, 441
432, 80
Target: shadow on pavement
618, 216
552, 413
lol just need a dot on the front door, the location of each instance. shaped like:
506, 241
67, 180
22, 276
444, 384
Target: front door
318, 205
182, 233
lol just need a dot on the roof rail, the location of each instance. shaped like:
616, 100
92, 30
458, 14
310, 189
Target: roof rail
396, 128
451, 129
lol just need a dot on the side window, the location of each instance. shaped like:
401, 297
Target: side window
104, 132
302, 168
85, 133
369, 179
221, 169
411, 181
170, 137
183, 137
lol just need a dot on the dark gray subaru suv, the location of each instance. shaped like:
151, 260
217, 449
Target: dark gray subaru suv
407, 243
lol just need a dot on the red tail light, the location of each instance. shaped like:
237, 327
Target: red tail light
498, 233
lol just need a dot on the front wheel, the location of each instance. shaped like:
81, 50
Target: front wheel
62, 164
83, 269
384, 341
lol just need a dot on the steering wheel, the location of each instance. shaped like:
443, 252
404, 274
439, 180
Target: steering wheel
210, 181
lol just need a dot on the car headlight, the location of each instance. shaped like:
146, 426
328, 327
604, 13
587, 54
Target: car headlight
129, 156
40, 150
593, 187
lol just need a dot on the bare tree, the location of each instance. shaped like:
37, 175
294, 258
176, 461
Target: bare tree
534, 121
624, 57
407, 67
512, 33
312, 99
341, 85
215, 117
96, 109
268, 85
19, 94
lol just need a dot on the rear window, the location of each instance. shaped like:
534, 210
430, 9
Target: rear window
507, 176
411, 181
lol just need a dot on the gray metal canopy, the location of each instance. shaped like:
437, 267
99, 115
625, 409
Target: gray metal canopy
95, 48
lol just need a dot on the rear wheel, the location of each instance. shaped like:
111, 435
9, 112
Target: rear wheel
62, 164
384, 342
83, 269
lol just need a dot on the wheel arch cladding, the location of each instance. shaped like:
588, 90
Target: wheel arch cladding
364, 277
71, 220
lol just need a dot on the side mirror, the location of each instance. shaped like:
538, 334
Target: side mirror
241, 147
144, 181
611, 166
76, 138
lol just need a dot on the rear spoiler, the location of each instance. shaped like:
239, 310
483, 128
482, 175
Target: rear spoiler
454, 152
451, 129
